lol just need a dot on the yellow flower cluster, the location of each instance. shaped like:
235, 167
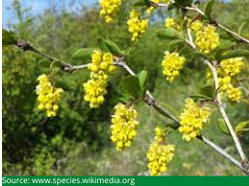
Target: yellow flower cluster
228, 70
192, 119
196, 25
169, 22
206, 37
136, 25
109, 8
48, 96
172, 64
124, 126
95, 88
159, 154
101, 62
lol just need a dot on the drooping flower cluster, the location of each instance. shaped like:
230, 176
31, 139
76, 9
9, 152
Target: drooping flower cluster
227, 72
109, 8
206, 38
172, 64
95, 87
124, 126
137, 26
159, 155
48, 96
101, 62
192, 119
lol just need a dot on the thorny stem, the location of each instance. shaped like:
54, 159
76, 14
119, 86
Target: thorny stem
224, 115
148, 99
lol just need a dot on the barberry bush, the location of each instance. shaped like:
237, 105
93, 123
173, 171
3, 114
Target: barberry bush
195, 41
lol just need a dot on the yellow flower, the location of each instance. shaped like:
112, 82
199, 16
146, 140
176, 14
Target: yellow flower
169, 23
227, 72
95, 89
196, 25
124, 126
206, 39
232, 66
233, 94
137, 26
109, 8
48, 96
101, 62
192, 119
159, 155
172, 64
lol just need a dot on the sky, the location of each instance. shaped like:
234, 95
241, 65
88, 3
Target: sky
38, 6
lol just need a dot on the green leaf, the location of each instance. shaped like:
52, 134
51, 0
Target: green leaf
241, 28
225, 44
131, 85
235, 53
113, 48
102, 45
208, 91
168, 33
222, 48
55, 64
146, 2
83, 54
139, 3
176, 43
142, 76
45, 63
199, 54
241, 127
222, 126
8, 37
200, 97
208, 9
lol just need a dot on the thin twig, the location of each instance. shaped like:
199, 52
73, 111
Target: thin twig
26, 46
199, 11
224, 154
234, 34
223, 113
150, 100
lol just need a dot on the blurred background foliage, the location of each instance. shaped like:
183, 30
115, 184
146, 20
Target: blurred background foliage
76, 142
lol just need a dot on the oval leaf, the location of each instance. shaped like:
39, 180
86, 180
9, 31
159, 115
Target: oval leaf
222, 126
113, 48
45, 63
131, 85
208, 9
168, 33
241, 127
235, 53
102, 45
142, 76
83, 54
